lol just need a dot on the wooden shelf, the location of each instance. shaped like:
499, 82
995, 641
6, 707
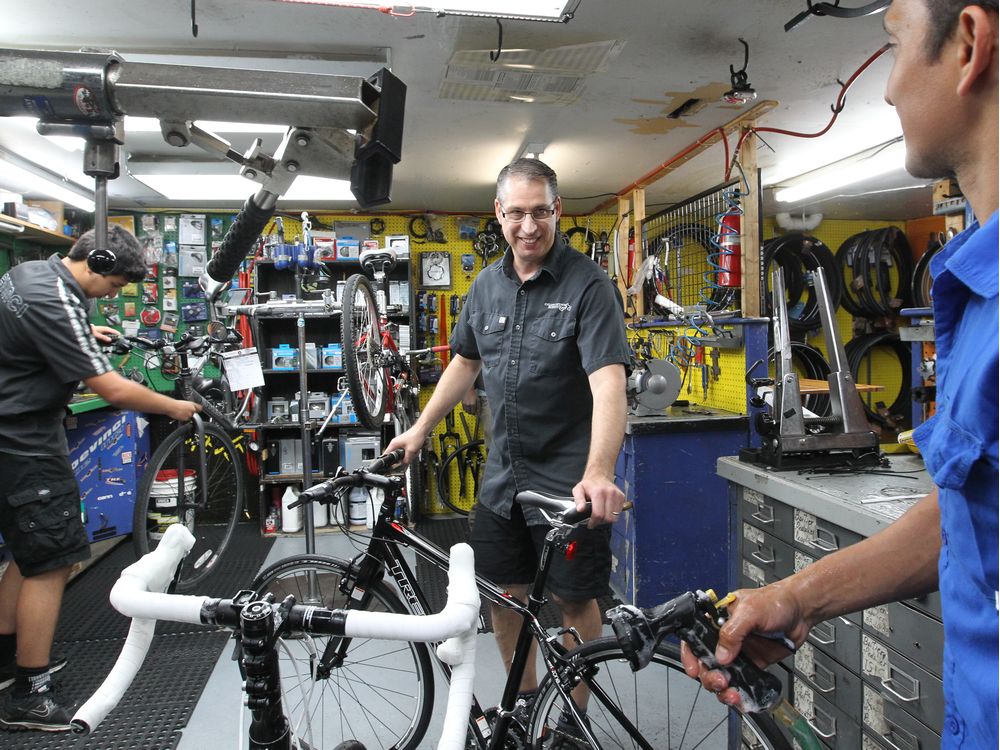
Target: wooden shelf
35, 233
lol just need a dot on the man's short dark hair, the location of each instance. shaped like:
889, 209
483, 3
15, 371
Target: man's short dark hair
943, 21
531, 169
129, 259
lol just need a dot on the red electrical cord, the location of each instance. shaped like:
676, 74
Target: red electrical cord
837, 109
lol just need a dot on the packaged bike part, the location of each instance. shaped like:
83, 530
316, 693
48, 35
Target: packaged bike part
331, 357
194, 311
277, 410
285, 357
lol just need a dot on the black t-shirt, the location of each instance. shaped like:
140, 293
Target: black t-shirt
539, 341
46, 348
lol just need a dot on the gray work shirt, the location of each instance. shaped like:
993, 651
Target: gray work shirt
46, 349
539, 341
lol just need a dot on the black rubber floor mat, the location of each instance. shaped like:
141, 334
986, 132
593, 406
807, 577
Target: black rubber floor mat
159, 703
87, 616
434, 582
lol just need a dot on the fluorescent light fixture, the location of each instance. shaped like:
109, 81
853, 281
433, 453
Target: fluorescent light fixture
872, 163
7, 227
526, 10
30, 180
221, 187
152, 125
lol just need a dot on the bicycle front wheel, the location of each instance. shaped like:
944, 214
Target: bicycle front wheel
381, 693
666, 709
361, 337
163, 498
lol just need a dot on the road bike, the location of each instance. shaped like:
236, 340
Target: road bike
390, 692
197, 474
262, 625
380, 377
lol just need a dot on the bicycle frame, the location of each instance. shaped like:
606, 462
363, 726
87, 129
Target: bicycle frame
383, 553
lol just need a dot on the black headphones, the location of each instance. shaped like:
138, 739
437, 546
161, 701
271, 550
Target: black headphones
101, 261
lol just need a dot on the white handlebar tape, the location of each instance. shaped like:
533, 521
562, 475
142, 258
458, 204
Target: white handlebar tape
152, 573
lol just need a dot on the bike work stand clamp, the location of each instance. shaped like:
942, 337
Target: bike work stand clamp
791, 440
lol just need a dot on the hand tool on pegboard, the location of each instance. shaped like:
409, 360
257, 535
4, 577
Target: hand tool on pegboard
443, 329
716, 370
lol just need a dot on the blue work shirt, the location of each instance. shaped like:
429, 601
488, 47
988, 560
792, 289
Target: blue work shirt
959, 445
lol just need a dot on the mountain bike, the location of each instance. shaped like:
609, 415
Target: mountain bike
392, 691
196, 475
261, 626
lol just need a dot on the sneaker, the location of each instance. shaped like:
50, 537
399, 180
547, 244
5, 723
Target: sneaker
7, 671
38, 711
565, 735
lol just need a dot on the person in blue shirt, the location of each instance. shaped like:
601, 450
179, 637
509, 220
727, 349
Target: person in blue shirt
944, 86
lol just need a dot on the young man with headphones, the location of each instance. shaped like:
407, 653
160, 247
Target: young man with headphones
47, 346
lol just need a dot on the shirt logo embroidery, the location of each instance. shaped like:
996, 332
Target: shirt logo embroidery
560, 306
10, 299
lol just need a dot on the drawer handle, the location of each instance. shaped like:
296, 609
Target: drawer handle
914, 685
829, 634
827, 544
759, 557
760, 515
909, 741
825, 735
823, 676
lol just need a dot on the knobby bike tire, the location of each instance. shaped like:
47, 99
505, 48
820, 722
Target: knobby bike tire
669, 709
381, 695
367, 378
160, 503
444, 486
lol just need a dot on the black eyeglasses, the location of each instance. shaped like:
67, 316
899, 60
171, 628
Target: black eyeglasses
516, 215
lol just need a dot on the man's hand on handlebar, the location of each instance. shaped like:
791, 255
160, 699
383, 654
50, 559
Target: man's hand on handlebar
605, 498
771, 609
104, 334
410, 441
181, 410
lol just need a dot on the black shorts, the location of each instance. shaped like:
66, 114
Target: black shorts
40, 513
507, 552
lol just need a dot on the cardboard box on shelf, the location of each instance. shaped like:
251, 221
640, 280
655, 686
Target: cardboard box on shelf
55, 209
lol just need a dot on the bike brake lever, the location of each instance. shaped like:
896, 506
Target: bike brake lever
758, 690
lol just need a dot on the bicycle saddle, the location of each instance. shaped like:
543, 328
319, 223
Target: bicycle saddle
378, 259
554, 504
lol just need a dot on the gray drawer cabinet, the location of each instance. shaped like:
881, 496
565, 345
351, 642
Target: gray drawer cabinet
868, 679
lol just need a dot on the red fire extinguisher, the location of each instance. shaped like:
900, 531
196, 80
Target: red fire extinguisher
631, 257
729, 258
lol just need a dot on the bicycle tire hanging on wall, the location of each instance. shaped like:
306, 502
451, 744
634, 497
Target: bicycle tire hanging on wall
810, 362
866, 349
877, 269
799, 255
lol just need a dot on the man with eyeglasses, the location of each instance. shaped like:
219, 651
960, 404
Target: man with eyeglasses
545, 326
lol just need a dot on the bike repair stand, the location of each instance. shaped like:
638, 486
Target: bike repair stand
790, 440
308, 521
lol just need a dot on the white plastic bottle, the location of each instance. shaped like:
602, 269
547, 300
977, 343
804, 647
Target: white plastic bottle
291, 518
